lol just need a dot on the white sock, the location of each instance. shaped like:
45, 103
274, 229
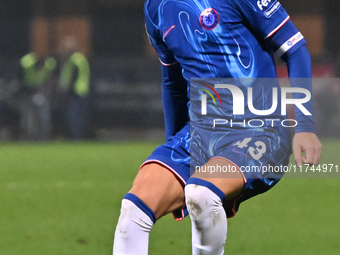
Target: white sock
133, 228
208, 218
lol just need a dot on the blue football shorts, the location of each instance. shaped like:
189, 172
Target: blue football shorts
259, 155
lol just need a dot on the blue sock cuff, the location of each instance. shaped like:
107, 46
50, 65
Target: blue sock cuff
141, 205
208, 185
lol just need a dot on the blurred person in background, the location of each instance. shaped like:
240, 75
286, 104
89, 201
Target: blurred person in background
34, 96
72, 102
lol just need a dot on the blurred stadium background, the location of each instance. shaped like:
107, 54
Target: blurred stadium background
63, 197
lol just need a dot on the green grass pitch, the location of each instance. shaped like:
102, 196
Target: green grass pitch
64, 199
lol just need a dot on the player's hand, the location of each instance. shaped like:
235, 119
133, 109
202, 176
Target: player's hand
309, 143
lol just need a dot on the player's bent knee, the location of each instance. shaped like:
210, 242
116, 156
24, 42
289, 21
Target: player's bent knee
158, 188
132, 207
208, 218
134, 225
201, 197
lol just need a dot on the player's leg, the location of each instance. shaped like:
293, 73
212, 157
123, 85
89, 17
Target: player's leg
204, 195
155, 192
159, 188
255, 149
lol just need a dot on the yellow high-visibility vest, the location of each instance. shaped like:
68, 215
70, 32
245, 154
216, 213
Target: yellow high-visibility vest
34, 77
81, 85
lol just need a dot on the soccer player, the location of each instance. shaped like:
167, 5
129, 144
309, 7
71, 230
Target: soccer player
216, 39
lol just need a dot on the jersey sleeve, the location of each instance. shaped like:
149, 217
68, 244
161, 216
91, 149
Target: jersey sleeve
156, 40
264, 17
174, 86
268, 20
299, 69
174, 95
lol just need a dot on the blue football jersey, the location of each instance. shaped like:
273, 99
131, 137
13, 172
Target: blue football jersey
223, 39
216, 38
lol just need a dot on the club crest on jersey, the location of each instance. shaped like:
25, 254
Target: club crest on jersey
209, 19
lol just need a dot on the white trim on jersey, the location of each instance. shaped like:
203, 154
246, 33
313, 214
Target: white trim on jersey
164, 64
289, 44
166, 166
277, 28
